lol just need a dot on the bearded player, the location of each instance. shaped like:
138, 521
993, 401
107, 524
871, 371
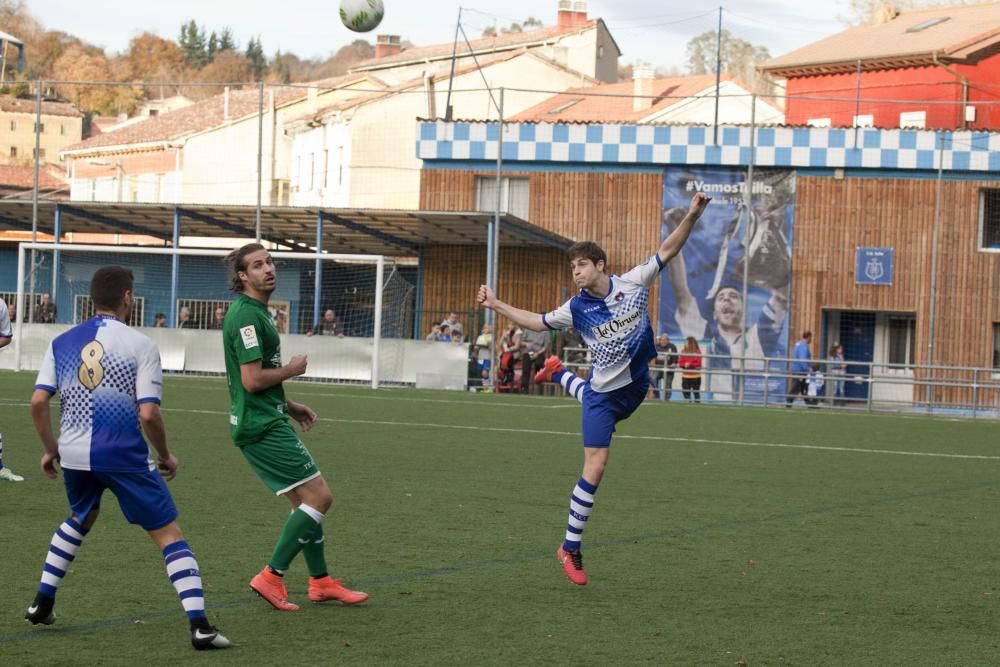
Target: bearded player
259, 426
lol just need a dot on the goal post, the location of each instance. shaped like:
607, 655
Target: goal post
340, 309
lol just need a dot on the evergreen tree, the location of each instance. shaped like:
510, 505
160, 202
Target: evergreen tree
226, 40
255, 54
193, 46
213, 46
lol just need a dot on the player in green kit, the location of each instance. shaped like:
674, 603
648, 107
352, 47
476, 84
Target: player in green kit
259, 425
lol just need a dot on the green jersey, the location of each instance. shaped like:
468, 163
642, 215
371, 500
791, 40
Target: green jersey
249, 335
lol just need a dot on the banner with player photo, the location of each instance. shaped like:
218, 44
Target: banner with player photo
701, 291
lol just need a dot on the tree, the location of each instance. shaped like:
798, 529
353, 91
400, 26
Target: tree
226, 40
279, 71
530, 23
227, 68
862, 11
193, 45
213, 46
255, 54
740, 58
152, 59
76, 64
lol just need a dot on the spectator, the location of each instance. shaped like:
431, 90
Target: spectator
159, 320
330, 325
12, 311
815, 381
484, 353
573, 348
439, 334
220, 316
45, 311
535, 348
690, 363
801, 355
837, 370
184, 320
454, 326
662, 368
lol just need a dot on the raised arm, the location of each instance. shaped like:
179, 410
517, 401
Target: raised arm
679, 236
523, 318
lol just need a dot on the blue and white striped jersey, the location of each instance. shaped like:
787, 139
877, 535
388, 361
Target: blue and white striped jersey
102, 370
615, 327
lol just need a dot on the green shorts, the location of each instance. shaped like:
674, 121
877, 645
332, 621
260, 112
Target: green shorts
280, 459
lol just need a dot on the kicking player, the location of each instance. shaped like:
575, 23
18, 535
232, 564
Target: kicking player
259, 425
6, 335
109, 380
611, 312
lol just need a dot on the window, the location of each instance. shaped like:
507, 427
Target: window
914, 119
326, 168
902, 340
13, 151
989, 219
39, 128
62, 129
996, 346
13, 125
818, 122
40, 151
513, 195
929, 23
864, 120
154, 112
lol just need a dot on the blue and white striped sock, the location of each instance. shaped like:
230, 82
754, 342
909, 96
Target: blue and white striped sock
183, 571
571, 383
66, 542
581, 504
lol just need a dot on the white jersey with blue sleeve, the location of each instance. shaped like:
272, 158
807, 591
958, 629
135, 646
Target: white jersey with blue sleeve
615, 327
102, 370
6, 331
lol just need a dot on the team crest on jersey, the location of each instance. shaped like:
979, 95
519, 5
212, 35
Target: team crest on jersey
249, 336
620, 296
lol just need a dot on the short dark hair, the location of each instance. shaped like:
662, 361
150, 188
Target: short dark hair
236, 261
108, 287
587, 250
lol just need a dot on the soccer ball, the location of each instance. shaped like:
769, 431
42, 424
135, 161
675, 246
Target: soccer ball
361, 15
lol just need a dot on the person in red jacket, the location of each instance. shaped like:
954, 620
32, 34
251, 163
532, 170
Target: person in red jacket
690, 363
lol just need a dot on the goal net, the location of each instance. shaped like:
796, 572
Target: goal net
347, 312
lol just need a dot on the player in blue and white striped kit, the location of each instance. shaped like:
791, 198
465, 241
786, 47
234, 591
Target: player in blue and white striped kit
109, 380
6, 335
612, 315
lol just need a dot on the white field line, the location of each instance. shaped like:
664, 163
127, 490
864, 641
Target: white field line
654, 438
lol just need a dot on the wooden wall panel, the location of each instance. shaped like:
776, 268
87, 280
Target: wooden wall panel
833, 217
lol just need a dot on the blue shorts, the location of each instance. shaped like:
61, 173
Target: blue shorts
602, 410
143, 496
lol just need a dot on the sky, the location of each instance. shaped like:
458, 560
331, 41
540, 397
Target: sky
651, 31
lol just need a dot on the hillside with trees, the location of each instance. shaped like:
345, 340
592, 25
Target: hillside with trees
155, 66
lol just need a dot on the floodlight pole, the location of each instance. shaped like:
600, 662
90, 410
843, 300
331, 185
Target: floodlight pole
748, 205
34, 205
718, 78
260, 155
493, 236
451, 75
934, 262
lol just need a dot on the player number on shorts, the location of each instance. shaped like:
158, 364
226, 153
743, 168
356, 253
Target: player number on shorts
91, 372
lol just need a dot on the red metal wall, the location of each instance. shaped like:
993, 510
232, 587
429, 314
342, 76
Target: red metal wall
912, 86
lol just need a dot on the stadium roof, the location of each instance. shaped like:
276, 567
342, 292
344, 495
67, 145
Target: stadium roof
345, 230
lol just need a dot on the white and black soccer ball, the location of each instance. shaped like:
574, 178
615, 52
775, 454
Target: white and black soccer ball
361, 15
